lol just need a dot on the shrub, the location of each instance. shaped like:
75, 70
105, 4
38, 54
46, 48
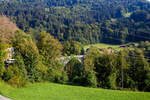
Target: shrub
14, 76
17, 81
147, 83
57, 76
3, 54
74, 68
90, 79
112, 81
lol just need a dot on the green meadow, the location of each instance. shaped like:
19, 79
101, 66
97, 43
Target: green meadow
127, 14
51, 91
102, 45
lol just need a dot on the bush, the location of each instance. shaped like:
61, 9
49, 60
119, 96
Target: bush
112, 81
17, 81
90, 79
147, 83
74, 68
14, 76
3, 55
57, 76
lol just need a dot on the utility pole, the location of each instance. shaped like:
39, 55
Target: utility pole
122, 76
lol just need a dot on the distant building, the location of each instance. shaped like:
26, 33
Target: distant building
127, 45
123, 46
9, 59
11, 52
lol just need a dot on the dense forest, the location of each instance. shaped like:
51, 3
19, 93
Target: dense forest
37, 60
86, 21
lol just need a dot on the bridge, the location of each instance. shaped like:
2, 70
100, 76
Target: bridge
65, 60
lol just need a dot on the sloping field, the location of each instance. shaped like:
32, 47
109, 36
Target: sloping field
50, 91
102, 45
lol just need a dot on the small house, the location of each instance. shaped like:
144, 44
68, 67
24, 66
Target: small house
9, 59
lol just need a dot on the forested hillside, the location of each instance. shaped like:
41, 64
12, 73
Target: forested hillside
87, 21
37, 58
7, 29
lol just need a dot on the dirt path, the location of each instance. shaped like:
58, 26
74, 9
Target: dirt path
4, 98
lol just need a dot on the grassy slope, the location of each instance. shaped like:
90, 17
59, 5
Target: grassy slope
50, 91
101, 45
127, 14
